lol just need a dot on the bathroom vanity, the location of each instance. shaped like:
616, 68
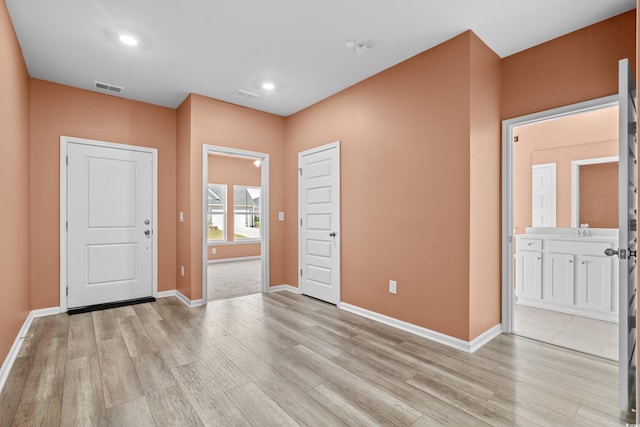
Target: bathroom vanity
558, 269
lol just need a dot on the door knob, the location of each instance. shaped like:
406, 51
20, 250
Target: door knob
147, 232
332, 234
610, 252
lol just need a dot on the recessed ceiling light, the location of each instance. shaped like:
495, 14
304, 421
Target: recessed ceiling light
128, 40
268, 86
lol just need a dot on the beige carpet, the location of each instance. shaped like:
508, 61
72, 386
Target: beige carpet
233, 279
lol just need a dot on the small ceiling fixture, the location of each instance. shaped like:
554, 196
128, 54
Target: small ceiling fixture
361, 48
128, 40
268, 86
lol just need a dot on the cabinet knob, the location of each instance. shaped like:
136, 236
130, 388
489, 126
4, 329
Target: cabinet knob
538, 258
583, 262
570, 261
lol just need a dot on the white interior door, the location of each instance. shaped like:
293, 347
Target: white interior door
627, 187
319, 216
543, 195
109, 224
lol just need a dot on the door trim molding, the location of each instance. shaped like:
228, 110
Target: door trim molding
331, 145
64, 142
264, 209
507, 189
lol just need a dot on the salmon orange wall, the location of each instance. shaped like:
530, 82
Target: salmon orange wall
581, 136
15, 303
406, 155
577, 67
233, 171
214, 122
484, 170
61, 110
183, 197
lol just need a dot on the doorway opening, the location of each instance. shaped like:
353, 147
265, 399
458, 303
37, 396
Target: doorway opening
235, 191
565, 213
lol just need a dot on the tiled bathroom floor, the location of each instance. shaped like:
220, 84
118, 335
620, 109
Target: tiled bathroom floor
584, 334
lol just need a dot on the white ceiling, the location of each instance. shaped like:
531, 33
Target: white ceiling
214, 47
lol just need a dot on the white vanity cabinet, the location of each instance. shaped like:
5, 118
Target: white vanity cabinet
567, 273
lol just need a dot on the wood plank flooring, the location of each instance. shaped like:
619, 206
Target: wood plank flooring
284, 359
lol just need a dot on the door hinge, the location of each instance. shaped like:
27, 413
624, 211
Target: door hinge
67, 225
300, 222
632, 128
300, 171
301, 272
67, 291
66, 160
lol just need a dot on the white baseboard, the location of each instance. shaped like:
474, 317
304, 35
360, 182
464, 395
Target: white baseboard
187, 301
166, 294
484, 338
236, 259
288, 288
15, 348
466, 346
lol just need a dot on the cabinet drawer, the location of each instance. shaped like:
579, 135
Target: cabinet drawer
578, 247
530, 244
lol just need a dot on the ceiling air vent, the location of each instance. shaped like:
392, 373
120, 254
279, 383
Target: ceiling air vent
104, 87
246, 95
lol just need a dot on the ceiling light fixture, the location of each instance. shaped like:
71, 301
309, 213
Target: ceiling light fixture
257, 163
128, 40
268, 86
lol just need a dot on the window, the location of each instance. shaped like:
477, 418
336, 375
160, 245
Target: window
246, 212
217, 213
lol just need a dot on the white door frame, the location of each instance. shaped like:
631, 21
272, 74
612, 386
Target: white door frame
64, 143
264, 210
338, 230
507, 189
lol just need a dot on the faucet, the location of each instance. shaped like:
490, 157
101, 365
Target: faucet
584, 230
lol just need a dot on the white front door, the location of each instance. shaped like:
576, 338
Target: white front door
109, 224
319, 211
543, 195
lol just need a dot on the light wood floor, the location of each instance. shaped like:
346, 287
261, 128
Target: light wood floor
284, 359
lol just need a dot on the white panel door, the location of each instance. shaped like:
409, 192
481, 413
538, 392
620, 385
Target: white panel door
109, 214
319, 209
627, 217
543, 195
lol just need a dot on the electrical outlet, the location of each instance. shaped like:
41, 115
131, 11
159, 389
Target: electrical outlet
213, 251
182, 270
393, 287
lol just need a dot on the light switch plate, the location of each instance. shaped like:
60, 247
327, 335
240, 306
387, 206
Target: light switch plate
393, 287
280, 216
181, 216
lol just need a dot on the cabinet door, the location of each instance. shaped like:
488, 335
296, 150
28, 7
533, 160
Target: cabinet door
529, 274
594, 283
558, 278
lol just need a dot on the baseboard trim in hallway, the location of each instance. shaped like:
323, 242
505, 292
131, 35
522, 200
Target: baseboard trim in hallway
22, 335
466, 346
